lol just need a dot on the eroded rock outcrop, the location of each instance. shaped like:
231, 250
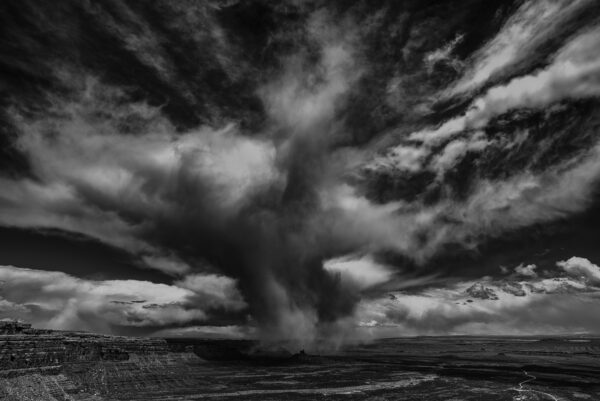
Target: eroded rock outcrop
60, 365
22, 347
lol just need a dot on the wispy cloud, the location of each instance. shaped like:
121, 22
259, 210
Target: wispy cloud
573, 73
533, 24
444, 55
491, 206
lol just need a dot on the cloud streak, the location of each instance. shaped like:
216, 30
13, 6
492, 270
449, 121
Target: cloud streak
490, 206
573, 73
193, 202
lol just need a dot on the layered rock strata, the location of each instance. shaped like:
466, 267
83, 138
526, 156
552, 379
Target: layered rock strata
60, 365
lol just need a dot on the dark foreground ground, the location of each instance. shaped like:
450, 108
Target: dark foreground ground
449, 368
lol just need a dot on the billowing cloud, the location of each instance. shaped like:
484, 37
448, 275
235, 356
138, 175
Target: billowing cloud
57, 300
213, 291
219, 199
95, 179
526, 270
487, 306
581, 267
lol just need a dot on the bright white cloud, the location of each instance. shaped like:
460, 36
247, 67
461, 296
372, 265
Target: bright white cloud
531, 25
526, 270
581, 267
362, 271
57, 300
531, 306
213, 291
573, 73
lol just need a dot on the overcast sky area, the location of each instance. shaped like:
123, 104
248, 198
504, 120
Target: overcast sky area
312, 172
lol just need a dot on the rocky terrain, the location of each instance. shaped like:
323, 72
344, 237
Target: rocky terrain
46, 365
59, 365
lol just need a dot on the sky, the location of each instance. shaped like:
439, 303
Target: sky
313, 173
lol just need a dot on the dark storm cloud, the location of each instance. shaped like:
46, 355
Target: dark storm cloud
204, 199
71, 253
230, 155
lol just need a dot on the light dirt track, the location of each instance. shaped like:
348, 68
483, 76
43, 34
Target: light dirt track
521, 390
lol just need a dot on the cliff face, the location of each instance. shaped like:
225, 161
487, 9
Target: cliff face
47, 365
56, 365
22, 347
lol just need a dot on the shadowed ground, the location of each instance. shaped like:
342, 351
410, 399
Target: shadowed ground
47, 365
